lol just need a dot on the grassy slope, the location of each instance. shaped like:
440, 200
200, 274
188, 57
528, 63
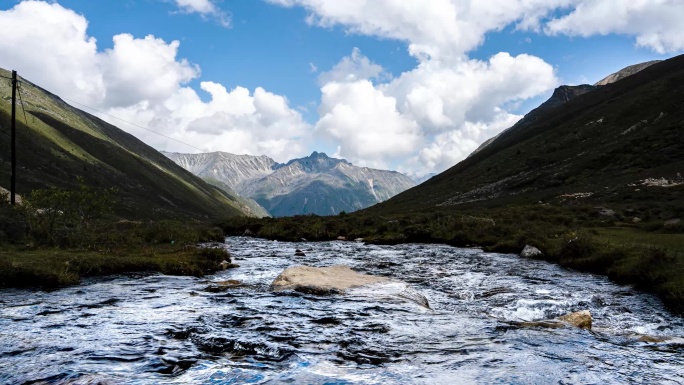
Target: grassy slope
60, 143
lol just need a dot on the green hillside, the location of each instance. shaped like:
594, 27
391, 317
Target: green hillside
58, 143
599, 148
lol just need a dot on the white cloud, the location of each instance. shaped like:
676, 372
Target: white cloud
206, 8
143, 81
656, 24
142, 69
353, 68
440, 112
366, 124
440, 29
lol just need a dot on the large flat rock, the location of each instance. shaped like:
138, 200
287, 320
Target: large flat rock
320, 280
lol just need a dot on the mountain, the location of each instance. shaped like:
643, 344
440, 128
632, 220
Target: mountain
592, 145
623, 73
316, 184
57, 143
563, 94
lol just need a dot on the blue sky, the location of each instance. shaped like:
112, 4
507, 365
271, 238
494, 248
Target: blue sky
275, 51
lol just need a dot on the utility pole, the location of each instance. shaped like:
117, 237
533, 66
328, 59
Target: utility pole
13, 186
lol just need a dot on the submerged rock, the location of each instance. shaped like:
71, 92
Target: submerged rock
531, 252
299, 253
581, 319
322, 280
225, 265
220, 286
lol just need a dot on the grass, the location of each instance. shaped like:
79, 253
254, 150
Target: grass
29, 258
52, 268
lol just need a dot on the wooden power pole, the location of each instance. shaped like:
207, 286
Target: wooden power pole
13, 185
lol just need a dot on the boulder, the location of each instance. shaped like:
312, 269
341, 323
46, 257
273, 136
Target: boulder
248, 233
299, 253
531, 252
605, 212
636, 220
581, 319
322, 280
341, 238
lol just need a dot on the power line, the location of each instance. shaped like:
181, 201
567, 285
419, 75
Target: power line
110, 115
22, 103
133, 124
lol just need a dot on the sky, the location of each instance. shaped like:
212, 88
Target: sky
408, 85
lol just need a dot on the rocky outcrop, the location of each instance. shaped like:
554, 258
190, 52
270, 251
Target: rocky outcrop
322, 280
625, 72
531, 252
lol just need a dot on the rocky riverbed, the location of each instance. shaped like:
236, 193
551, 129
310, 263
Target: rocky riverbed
481, 325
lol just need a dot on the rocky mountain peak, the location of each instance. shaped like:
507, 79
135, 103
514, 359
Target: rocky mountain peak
625, 72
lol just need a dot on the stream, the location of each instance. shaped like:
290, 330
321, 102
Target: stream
156, 329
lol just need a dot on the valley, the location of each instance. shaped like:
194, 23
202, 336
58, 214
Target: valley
533, 232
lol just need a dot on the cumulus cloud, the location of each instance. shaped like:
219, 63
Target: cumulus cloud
438, 29
366, 124
206, 8
143, 81
656, 24
352, 68
439, 111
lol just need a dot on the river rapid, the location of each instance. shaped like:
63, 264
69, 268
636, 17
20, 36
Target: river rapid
159, 329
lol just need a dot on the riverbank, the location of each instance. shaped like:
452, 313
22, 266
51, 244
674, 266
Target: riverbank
647, 256
108, 248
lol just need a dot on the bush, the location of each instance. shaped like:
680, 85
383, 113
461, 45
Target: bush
65, 217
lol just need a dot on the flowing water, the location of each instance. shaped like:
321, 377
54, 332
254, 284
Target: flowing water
178, 330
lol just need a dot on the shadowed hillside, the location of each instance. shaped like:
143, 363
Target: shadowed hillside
604, 146
59, 143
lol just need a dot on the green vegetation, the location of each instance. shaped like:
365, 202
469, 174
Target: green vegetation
58, 236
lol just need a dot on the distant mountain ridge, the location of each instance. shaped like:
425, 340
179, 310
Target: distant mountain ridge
316, 184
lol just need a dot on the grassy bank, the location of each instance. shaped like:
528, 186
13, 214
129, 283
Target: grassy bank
52, 268
647, 255
108, 247
56, 237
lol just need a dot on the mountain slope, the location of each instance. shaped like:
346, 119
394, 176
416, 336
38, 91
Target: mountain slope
316, 184
59, 143
599, 147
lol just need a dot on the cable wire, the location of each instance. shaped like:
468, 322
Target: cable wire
22, 102
133, 124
